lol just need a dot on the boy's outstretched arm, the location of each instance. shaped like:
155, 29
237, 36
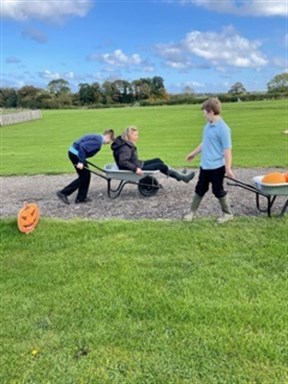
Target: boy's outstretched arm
194, 153
228, 163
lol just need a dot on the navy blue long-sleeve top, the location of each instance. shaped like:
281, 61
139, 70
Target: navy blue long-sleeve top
88, 146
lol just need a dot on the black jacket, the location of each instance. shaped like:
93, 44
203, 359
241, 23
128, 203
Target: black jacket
125, 155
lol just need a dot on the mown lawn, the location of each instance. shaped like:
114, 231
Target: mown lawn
167, 132
144, 302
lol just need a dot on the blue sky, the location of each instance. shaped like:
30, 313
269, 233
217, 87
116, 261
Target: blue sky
207, 45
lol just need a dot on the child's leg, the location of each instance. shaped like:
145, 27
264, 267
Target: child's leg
202, 185
157, 164
200, 190
154, 165
217, 180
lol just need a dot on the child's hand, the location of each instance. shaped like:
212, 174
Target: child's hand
139, 172
80, 166
230, 174
190, 157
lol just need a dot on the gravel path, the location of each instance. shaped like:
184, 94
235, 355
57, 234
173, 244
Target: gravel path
171, 202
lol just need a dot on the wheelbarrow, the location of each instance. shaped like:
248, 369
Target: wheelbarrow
147, 183
268, 191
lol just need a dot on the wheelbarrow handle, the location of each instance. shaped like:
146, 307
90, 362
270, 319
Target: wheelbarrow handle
95, 166
237, 183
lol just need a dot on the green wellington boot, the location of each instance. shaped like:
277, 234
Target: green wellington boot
226, 209
194, 206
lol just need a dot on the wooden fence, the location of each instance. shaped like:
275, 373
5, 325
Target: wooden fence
19, 117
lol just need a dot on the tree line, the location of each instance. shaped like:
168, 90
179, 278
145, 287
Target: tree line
144, 91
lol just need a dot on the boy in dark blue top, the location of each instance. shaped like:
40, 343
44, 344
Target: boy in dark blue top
86, 146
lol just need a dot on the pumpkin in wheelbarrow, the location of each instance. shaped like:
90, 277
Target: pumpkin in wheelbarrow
286, 176
274, 178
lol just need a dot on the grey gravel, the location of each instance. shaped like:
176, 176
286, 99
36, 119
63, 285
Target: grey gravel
171, 202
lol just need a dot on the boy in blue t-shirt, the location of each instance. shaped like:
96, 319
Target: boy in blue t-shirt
216, 160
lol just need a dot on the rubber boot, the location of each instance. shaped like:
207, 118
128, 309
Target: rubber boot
180, 176
226, 209
194, 206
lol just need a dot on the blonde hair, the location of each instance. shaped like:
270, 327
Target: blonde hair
212, 105
127, 133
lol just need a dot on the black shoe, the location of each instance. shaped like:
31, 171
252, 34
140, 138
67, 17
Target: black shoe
86, 200
63, 197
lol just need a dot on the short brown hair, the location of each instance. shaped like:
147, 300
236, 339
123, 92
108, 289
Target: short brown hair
213, 104
109, 132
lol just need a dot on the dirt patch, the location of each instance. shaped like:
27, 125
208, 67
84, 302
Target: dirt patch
171, 202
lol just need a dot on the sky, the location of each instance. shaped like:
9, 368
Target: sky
207, 45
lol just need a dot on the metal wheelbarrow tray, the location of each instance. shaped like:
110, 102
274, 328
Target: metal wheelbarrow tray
147, 183
269, 191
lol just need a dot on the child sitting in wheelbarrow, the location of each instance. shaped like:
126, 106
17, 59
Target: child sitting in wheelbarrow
126, 157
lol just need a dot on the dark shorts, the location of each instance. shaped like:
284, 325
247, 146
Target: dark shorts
213, 176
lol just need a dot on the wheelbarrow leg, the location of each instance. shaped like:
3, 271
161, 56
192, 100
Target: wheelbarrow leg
266, 210
285, 206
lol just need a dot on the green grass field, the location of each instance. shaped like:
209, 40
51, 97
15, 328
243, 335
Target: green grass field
167, 132
144, 302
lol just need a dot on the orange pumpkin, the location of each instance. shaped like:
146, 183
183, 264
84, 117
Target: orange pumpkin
274, 178
286, 176
28, 218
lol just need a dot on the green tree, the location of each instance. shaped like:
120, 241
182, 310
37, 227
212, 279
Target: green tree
135, 86
8, 98
188, 90
98, 97
59, 86
157, 87
237, 89
279, 84
110, 92
124, 89
27, 97
86, 94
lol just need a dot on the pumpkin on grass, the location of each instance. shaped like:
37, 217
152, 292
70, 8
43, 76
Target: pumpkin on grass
274, 178
28, 218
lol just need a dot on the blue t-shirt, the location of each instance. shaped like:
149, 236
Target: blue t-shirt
216, 138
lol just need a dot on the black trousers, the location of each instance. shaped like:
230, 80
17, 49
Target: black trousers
213, 176
81, 183
155, 165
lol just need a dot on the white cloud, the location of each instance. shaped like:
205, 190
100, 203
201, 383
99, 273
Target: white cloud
69, 75
48, 75
117, 58
226, 48
44, 10
264, 8
149, 67
194, 84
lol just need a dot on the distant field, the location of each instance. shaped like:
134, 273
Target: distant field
168, 132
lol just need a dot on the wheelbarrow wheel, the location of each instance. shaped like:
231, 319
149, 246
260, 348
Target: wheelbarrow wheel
148, 186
